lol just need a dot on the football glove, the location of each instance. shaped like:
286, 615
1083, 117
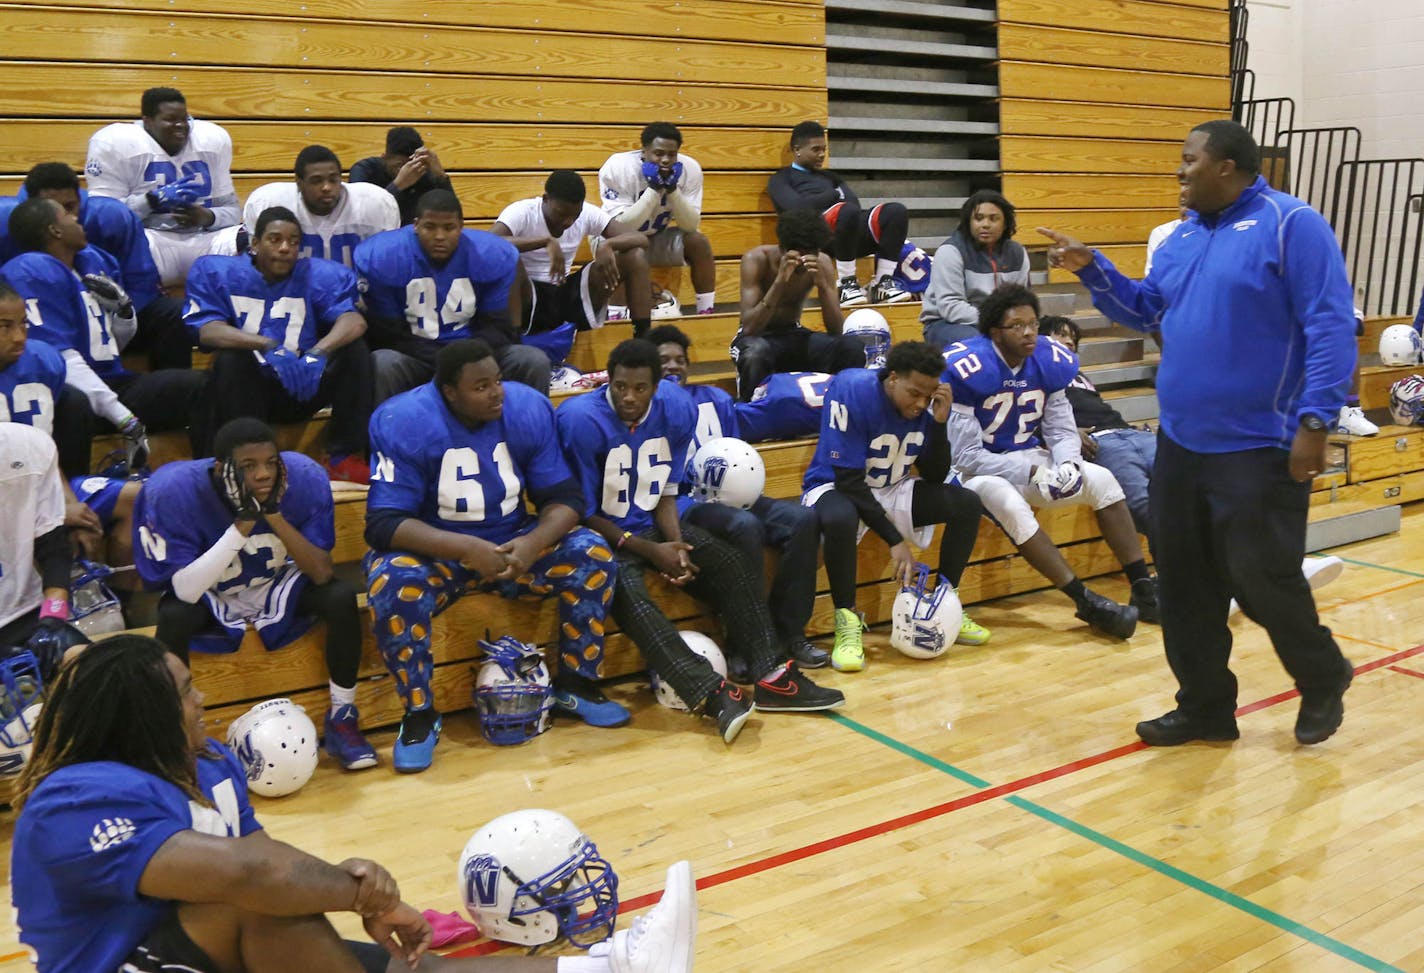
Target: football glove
50, 639
235, 492
109, 294
652, 174
176, 195
311, 365
286, 366
671, 179
135, 443
273, 503
1058, 482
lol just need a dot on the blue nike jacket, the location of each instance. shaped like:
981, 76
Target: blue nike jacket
1257, 322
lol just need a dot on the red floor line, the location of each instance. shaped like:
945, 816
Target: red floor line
938, 810
1407, 672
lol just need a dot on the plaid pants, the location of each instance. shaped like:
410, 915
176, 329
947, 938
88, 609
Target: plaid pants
407, 591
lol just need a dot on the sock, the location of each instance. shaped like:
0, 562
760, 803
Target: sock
341, 696
774, 675
584, 964
1075, 590
417, 724
1136, 571
883, 267
641, 325
706, 301
845, 268
1352, 401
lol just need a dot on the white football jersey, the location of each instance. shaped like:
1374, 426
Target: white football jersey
33, 501
126, 163
364, 211
621, 182
526, 218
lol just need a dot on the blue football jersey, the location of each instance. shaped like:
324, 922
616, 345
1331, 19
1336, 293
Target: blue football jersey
179, 515
786, 406
860, 427
1008, 403
623, 472
431, 466
81, 845
297, 311
400, 283
912, 273
62, 312
223, 778
30, 387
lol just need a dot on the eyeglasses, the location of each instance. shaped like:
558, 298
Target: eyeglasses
1028, 327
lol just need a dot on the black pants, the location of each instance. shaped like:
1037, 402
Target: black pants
165, 401
794, 350
933, 503
241, 387
333, 603
1230, 525
854, 236
162, 334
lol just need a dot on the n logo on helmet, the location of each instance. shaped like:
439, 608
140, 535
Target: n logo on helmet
250, 757
482, 880
714, 471
928, 638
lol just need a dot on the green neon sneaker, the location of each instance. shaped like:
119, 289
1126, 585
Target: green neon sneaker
971, 632
848, 654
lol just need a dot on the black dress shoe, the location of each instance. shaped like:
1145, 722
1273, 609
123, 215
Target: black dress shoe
808, 655
1320, 717
1175, 728
1107, 616
1144, 599
737, 670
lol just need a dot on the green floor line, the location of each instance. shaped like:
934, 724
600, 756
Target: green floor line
1382, 567
1340, 949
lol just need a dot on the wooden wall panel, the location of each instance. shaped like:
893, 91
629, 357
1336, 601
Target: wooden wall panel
1090, 192
1124, 17
1023, 153
1096, 49
1026, 79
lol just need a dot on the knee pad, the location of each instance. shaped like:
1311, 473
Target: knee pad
1006, 504
1100, 487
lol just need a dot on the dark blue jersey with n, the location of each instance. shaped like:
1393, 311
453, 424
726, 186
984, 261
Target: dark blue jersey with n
623, 472
429, 465
400, 283
61, 311
1007, 402
83, 841
716, 417
179, 514
296, 311
30, 387
860, 427
786, 406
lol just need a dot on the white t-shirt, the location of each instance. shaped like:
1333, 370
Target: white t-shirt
33, 501
1158, 237
126, 163
621, 182
364, 210
526, 218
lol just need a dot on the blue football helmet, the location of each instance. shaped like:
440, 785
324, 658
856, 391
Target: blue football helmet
531, 876
21, 693
513, 692
93, 607
925, 623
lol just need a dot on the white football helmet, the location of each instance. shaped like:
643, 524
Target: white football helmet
1400, 345
21, 695
277, 744
531, 876
666, 306
925, 623
1406, 401
728, 470
870, 323
93, 607
564, 378
704, 647
513, 692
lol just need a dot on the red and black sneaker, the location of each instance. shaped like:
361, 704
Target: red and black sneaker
788, 691
730, 708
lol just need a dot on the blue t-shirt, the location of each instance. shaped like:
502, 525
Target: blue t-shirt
623, 472
30, 388
296, 311
401, 284
61, 311
786, 406
860, 427
1008, 404
82, 843
429, 465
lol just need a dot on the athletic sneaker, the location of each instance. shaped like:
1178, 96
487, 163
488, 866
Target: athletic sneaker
1352, 422
666, 305
971, 632
1107, 616
886, 291
708, 310
729, 706
851, 292
617, 312
344, 741
415, 747
788, 691
349, 468
661, 941
1318, 571
581, 697
1144, 599
848, 655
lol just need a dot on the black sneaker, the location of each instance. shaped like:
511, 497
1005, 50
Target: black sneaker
729, 706
1320, 717
1107, 616
790, 692
809, 655
737, 670
1144, 599
1175, 728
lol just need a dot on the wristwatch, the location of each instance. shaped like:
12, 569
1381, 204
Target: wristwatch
1313, 423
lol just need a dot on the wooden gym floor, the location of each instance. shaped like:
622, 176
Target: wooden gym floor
991, 810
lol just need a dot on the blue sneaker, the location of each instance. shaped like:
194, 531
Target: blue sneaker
581, 697
344, 740
415, 747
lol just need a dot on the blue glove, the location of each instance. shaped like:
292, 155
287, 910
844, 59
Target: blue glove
287, 367
312, 365
176, 195
671, 180
652, 174
48, 642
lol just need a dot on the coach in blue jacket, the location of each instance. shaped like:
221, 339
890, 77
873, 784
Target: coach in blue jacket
1255, 311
